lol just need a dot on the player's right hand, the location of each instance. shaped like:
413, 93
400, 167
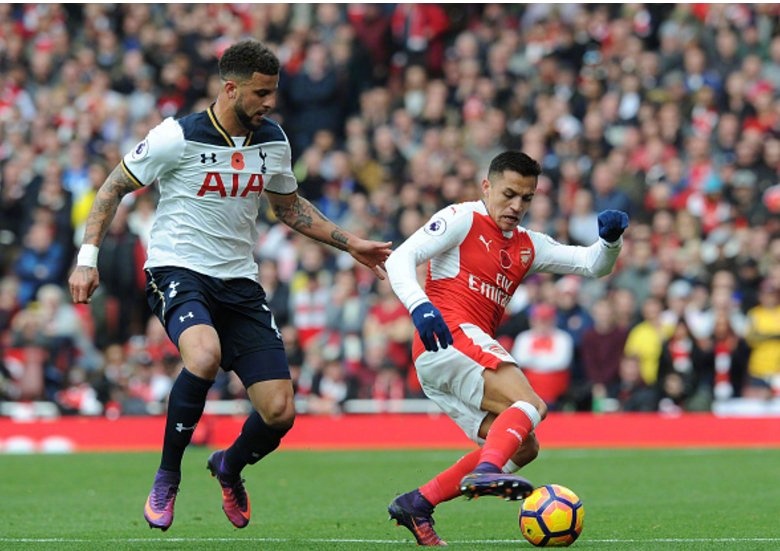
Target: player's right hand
430, 325
83, 282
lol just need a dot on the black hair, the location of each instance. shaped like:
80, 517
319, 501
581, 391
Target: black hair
241, 60
516, 161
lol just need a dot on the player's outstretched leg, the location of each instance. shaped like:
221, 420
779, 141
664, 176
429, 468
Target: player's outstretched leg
414, 512
158, 509
487, 480
235, 501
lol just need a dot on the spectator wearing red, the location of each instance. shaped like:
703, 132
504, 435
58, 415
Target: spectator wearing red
419, 32
372, 29
388, 318
545, 353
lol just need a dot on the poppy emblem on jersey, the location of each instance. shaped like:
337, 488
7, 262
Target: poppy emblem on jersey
435, 227
506, 259
237, 161
525, 256
140, 151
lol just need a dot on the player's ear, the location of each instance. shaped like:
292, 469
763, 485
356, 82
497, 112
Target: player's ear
231, 88
485, 186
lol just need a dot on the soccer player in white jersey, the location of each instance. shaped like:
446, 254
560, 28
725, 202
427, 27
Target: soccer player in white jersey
477, 255
212, 167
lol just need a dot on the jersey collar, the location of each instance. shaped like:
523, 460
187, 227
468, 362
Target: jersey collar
222, 132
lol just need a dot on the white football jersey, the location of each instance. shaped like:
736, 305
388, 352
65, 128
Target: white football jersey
210, 186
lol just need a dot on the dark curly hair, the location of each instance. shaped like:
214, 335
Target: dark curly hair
245, 58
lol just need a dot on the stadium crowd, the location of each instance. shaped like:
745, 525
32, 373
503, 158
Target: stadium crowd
670, 112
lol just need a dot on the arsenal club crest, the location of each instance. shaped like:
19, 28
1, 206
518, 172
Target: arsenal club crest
525, 256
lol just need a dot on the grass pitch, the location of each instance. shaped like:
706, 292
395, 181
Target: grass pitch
698, 499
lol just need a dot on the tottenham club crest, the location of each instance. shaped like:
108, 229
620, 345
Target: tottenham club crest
436, 226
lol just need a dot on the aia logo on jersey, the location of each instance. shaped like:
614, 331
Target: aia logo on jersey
234, 185
525, 256
435, 227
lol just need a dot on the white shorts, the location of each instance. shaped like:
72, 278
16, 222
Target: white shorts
452, 376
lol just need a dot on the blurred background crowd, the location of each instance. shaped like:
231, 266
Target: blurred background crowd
669, 112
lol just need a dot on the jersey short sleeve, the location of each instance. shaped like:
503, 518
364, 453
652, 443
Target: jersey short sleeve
283, 181
156, 154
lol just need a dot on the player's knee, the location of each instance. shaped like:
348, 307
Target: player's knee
205, 366
201, 356
279, 413
539, 405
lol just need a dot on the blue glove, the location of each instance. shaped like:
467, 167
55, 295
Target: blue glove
612, 224
430, 325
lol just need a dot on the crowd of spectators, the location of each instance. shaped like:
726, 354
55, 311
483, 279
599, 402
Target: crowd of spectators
670, 112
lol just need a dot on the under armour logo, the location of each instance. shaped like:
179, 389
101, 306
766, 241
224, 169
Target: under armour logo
212, 157
188, 315
486, 242
429, 314
172, 286
181, 428
262, 158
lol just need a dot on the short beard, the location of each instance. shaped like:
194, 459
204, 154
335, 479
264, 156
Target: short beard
243, 118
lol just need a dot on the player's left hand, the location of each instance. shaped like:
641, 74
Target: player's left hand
372, 254
612, 224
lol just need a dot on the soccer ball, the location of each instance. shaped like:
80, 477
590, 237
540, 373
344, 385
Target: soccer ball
551, 516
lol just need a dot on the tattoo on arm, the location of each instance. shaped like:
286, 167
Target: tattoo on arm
295, 214
300, 216
339, 240
107, 199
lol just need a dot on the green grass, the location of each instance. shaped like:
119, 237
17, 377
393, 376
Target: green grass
634, 500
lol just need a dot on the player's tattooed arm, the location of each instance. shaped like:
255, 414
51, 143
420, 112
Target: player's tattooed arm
117, 185
302, 216
298, 213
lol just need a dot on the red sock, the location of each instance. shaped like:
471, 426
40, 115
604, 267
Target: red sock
446, 485
505, 436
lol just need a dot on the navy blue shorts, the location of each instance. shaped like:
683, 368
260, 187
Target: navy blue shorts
250, 341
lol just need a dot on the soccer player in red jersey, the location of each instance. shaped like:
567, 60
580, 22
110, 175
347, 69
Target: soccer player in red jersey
477, 255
